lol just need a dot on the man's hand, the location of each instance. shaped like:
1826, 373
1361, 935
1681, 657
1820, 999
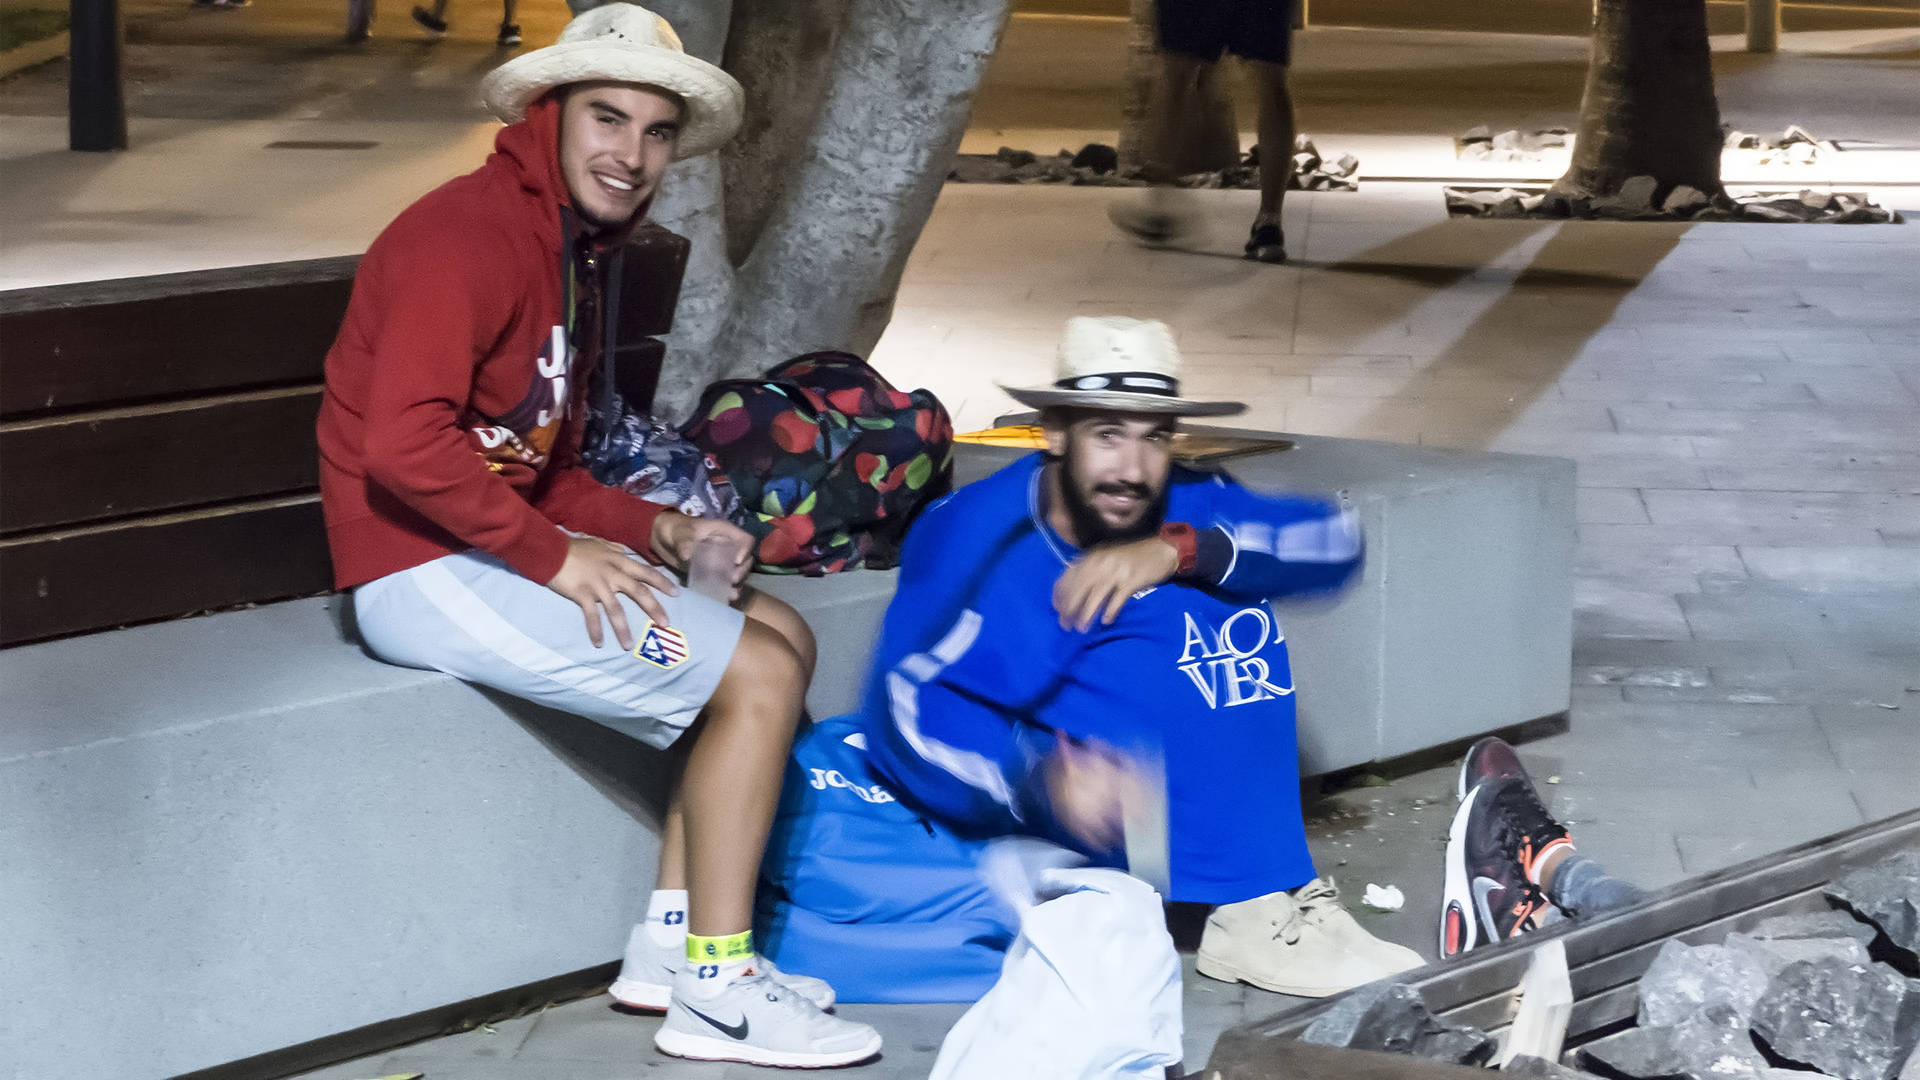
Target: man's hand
1099, 582
597, 573
1090, 787
675, 536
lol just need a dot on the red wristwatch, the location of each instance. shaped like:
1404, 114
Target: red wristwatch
1185, 543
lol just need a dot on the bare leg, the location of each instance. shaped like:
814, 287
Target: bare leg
1180, 91
778, 616
733, 775
1182, 86
507, 9
1266, 242
673, 844
1277, 133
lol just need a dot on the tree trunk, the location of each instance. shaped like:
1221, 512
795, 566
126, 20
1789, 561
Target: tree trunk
782, 53
1649, 107
801, 229
1143, 62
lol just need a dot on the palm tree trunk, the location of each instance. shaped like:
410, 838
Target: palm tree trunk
800, 231
1136, 99
1649, 107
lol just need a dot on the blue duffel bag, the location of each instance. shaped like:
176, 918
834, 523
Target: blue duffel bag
863, 892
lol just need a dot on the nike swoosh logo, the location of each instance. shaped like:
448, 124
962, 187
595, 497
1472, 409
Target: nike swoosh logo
1482, 886
733, 1031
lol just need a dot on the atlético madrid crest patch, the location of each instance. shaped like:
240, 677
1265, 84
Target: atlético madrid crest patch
662, 646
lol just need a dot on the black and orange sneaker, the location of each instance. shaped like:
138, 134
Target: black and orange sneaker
1492, 758
1500, 836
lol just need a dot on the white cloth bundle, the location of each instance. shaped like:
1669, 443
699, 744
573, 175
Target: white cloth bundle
1090, 989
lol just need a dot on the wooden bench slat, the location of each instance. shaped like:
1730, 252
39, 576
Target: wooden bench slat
120, 462
156, 433
103, 576
167, 346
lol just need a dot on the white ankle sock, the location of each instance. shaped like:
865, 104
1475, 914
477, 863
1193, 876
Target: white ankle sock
666, 920
707, 980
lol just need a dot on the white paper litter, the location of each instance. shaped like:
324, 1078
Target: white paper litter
1387, 899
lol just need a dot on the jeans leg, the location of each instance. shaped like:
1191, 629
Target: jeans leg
1582, 888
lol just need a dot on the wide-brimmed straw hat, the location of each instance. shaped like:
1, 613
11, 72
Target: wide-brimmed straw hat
623, 43
1113, 362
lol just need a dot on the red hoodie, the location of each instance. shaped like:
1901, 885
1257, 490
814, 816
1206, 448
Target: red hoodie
451, 420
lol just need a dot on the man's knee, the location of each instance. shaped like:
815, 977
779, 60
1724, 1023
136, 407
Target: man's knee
789, 624
765, 673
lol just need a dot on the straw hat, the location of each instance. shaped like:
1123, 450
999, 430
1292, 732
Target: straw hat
623, 43
1113, 362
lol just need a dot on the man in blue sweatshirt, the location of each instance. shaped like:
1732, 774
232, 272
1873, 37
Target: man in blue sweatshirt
1095, 608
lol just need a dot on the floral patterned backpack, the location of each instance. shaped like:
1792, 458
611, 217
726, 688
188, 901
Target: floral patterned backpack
829, 461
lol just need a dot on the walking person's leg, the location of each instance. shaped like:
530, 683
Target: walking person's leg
1268, 243
509, 26
359, 21
1182, 84
1262, 35
433, 21
1189, 38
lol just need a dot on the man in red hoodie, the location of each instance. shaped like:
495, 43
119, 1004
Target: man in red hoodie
474, 540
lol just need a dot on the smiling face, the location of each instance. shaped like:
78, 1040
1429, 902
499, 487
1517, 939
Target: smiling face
615, 141
1109, 473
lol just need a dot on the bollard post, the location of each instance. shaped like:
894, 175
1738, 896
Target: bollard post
96, 109
1763, 26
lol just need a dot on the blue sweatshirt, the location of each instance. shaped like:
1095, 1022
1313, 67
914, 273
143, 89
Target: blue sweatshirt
975, 681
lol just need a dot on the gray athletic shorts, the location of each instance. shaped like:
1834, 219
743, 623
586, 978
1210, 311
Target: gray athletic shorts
473, 617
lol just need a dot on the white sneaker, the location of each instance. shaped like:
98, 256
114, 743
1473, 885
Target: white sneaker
648, 970
761, 1022
1302, 943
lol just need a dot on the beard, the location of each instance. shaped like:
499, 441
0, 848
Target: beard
1093, 529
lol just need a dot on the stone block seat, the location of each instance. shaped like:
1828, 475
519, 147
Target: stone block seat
235, 834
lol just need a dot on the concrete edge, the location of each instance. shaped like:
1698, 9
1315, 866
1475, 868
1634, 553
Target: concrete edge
34, 53
434, 1023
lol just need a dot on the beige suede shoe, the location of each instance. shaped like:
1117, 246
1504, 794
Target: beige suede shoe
1302, 943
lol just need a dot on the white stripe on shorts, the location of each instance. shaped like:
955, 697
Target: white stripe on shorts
462, 607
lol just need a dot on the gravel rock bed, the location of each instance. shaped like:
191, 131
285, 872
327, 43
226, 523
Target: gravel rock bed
1098, 165
1829, 994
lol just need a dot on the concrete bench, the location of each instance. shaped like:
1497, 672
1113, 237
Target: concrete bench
234, 834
